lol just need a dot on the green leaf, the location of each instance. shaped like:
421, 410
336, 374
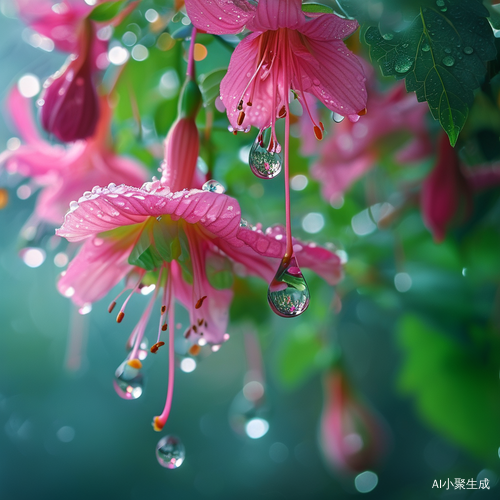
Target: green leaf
441, 55
316, 8
297, 358
455, 390
107, 11
210, 85
144, 253
219, 271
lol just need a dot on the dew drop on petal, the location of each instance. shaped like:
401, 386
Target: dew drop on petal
170, 452
288, 293
264, 164
129, 381
214, 187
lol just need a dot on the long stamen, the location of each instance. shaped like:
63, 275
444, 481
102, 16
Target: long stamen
121, 314
289, 244
164, 301
160, 421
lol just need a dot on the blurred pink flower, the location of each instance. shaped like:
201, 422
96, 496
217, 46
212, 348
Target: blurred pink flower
354, 148
446, 195
63, 173
286, 51
352, 437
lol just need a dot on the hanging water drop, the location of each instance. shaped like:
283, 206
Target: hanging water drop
129, 381
288, 293
170, 452
337, 118
214, 187
264, 164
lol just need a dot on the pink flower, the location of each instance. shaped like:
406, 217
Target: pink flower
186, 242
446, 195
286, 51
352, 437
354, 148
63, 173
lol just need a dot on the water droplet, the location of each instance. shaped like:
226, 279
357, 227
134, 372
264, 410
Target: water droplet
129, 381
288, 293
425, 47
73, 205
447, 50
388, 36
448, 61
337, 118
403, 64
214, 187
468, 50
170, 452
264, 164
243, 223
440, 3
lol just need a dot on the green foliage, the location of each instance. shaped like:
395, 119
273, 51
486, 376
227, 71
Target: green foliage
455, 388
210, 84
440, 56
316, 8
107, 10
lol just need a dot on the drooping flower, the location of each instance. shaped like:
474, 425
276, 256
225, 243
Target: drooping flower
354, 148
351, 435
446, 195
183, 242
285, 51
62, 173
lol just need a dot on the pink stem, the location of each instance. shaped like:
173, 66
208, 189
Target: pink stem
190, 69
289, 245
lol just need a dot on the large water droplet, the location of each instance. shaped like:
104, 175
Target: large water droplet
264, 164
170, 452
448, 61
468, 50
129, 381
403, 64
288, 293
214, 187
337, 118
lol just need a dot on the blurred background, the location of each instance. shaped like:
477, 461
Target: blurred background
417, 332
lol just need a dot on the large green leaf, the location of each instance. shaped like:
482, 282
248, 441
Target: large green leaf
441, 55
456, 389
107, 10
210, 84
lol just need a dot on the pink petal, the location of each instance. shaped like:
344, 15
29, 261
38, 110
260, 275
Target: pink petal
21, 113
99, 265
329, 27
272, 244
274, 14
232, 89
108, 208
220, 17
331, 72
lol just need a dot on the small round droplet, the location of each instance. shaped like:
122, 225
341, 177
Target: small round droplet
288, 293
264, 164
388, 36
403, 64
440, 3
468, 50
426, 47
170, 452
447, 50
214, 187
129, 381
448, 61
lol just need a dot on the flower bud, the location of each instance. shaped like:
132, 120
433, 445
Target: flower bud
351, 435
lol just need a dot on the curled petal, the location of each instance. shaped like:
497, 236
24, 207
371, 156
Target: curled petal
220, 17
112, 207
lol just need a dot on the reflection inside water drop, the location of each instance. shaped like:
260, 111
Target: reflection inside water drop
288, 293
263, 163
129, 381
170, 452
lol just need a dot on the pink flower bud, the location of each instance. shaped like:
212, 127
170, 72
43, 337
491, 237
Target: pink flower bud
352, 437
69, 107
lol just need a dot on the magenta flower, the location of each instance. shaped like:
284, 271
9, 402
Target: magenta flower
352, 436
446, 195
354, 148
286, 51
184, 242
63, 173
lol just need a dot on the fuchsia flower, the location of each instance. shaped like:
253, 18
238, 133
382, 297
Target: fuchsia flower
353, 148
63, 173
446, 195
352, 437
69, 106
286, 51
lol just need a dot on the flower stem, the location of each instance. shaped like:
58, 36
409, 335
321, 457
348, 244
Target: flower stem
191, 68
